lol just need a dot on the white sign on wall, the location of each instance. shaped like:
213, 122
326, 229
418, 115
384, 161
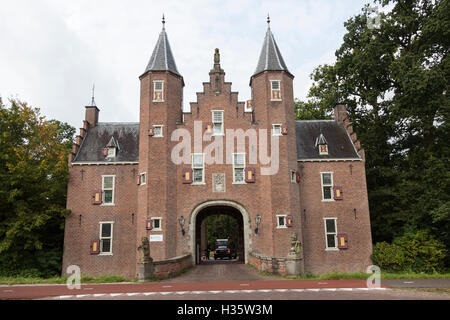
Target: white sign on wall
156, 238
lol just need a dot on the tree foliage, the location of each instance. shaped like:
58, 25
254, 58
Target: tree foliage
33, 186
394, 78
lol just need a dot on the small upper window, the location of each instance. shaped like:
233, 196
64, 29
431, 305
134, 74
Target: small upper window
106, 232
293, 176
281, 221
276, 129
156, 223
275, 90
327, 186
143, 178
108, 189
198, 168
157, 131
158, 91
239, 168
217, 120
111, 152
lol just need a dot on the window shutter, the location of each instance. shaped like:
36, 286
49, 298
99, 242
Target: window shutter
151, 132
149, 224
342, 241
284, 130
297, 177
338, 195
250, 175
250, 105
95, 246
209, 127
105, 151
187, 176
97, 197
289, 221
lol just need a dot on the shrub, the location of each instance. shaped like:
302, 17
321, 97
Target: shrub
413, 252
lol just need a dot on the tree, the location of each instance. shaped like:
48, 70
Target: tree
33, 186
394, 79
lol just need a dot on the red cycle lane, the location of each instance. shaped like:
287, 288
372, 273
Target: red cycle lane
42, 291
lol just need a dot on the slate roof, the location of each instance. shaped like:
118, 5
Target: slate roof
340, 145
270, 58
162, 58
126, 135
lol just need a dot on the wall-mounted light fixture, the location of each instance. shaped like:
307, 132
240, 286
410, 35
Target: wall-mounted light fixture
181, 220
258, 222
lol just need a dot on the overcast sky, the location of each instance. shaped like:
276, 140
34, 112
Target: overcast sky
52, 51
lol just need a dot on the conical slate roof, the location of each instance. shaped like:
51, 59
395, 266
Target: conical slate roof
162, 57
270, 57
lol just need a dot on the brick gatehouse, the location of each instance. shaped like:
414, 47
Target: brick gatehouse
124, 183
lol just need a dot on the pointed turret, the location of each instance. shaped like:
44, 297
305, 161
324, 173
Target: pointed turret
270, 58
162, 58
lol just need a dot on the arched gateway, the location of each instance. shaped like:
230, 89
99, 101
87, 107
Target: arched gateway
227, 207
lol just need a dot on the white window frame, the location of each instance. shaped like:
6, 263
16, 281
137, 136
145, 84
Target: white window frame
153, 224
272, 90
113, 190
161, 135
110, 253
278, 221
113, 149
320, 150
239, 167
198, 168
143, 174
222, 123
155, 90
331, 187
293, 174
328, 233
274, 133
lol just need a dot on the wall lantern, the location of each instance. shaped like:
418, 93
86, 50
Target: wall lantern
258, 222
181, 220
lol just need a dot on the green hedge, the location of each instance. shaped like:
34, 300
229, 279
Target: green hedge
413, 252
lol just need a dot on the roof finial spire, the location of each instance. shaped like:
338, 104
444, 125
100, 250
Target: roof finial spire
93, 93
268, 21
163, 21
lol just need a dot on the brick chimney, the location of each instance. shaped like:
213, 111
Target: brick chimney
340, 113
92, 115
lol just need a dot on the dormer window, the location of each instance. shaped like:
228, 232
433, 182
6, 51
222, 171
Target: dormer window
275, 90
158, 91
111, 152
111, 148
322, 144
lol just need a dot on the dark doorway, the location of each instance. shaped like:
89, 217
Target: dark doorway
219, 222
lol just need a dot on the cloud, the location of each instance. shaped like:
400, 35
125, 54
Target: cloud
53, 51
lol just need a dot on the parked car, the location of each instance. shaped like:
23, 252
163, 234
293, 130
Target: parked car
222, 252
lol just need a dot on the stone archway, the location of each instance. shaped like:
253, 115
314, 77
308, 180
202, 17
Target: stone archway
219, 203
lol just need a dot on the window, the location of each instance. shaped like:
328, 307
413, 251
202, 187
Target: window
111, 152
108, 189
276, 129
157, 131
217, 119
275, 90
198, 168
327, 186
281, 222
323, 149
158, 91
106, 231
330, 233
157, 224
143, 179
293, 176
238, 167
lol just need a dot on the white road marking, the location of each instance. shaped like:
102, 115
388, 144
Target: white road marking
218, 291
167, 286
7, 291
408, 282
244, 284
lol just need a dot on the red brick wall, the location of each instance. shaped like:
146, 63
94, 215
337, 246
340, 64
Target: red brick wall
357, 256
166, 268
78, 237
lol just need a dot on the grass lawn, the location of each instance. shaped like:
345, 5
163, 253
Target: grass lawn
58, 280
